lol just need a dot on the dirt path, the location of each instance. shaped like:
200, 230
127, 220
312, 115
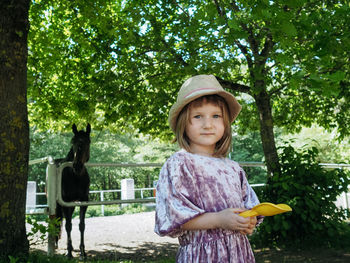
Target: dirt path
123, 237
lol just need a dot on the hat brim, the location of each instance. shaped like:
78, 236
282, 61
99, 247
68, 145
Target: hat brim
234, 107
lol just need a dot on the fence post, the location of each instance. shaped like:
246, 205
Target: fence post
128, 190
51, 200
31, 196
102, 206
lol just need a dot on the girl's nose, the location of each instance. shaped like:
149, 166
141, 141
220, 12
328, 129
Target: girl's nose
207, 123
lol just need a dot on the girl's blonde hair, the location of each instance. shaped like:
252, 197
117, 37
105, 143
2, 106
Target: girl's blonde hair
223, 146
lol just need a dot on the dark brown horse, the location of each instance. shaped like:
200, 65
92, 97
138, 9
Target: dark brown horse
75, 185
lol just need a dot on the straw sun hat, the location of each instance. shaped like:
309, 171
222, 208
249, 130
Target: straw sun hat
199, 86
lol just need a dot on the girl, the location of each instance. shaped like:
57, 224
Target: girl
200, 192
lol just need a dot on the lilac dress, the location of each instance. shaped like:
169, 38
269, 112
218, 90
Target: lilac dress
190, 185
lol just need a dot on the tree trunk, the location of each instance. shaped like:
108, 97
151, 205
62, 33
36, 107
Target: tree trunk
262, 100
14, 130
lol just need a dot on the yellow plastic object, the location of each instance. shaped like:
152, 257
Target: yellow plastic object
266, 209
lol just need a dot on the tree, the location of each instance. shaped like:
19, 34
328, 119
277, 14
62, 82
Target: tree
14, 128
121, 63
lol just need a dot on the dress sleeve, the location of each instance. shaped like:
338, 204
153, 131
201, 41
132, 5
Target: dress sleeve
176, 198
250, 198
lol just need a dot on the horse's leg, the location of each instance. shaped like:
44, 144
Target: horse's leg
68, 215
82, 229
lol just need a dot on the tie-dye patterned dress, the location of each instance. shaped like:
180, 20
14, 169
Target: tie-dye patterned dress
190, 185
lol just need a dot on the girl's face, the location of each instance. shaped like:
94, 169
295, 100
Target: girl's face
204, 128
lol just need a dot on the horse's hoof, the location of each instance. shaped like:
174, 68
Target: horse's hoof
82, 257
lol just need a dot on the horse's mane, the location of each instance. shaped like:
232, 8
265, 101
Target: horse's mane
70, 155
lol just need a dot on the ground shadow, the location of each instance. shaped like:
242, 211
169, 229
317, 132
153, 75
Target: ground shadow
144, 252
165, 252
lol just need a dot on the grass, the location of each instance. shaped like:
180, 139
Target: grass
319, 255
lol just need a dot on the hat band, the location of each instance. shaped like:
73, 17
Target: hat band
198, 90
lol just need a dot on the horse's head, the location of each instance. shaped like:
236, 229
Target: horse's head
80, 148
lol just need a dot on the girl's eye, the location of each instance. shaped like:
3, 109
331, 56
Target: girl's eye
197, 116
216, 116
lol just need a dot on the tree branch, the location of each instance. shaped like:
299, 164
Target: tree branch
226, 84
269, 43
244, 50
277, 90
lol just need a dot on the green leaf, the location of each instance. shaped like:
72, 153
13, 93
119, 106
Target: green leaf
232, 23
285, 186
286, 224
289, 29
316, 77
337, 76
266, 13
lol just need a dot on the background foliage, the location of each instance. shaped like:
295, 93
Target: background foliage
129, 148
311, 191
105, 148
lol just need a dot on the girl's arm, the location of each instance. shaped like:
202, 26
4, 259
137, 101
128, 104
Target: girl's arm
225, 219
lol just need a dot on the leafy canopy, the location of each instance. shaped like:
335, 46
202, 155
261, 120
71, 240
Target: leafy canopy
120, 63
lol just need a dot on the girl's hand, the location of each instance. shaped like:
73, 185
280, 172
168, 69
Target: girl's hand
251, 226
229, 219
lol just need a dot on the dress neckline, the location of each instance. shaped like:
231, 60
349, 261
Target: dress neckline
200, 155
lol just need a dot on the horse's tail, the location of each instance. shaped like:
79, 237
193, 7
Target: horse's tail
59, 216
